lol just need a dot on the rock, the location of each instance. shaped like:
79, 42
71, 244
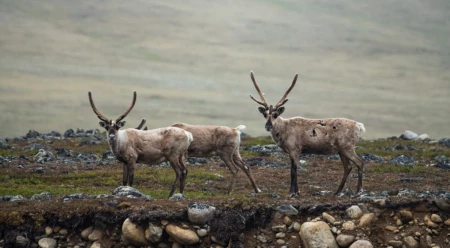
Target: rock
280, 235
192, 160
3, 145
390, 228
177, 197
258, 161
317, 235
199, 213
280, 242
344, 240
264, 150
130, 192
21, 242
279, 228
96, 244
43, 156
402, 160
287, 221
85, 233
48, 230
44, 196
410, 242
153, 233
287, 209
423, 137
443, 162
443, 201
202, 232
348, 226
63, 231
425, 241
366, 220
436, 218
32, 134
447, 222
395, 243
445, 141
182, 236
95, 235
47, 243
296, 226
330, 219
262, 238
361, 244
354, 212
133, 233
367, 157
409, 135
406, 215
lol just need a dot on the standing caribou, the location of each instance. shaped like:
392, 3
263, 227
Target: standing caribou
131, 146
299, 135
219, 141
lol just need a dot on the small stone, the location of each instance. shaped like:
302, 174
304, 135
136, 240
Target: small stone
361, 244
280, 235
354, 212
96, 244
288, 210
133, 234
395, 243
199, 213
63, 231
436, 218
348, 226
409, 135
330, 219
182, 236
390, 228
410, 242
47, 243
317, 234
153, 233
447, 222
48, 230
280, 242
85, 233
287, 221
95, 235
261, 238
21, 242
366, 220
345, 240
431, 224
279, 228
399, 222
406, 215
164, 222
296, 226
202, 232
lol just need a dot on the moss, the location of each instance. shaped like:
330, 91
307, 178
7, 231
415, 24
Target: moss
251, 141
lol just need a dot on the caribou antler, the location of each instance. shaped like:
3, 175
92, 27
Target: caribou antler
99, 115
261, 95
141, 124
283, 100
128, 110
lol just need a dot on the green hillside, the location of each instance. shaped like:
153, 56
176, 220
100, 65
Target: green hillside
383, 63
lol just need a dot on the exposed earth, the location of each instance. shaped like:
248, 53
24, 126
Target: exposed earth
80, 176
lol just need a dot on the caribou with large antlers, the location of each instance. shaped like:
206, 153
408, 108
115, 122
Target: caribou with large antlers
299, 135
131, 146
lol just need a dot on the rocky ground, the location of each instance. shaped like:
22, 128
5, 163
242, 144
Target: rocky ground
62, 190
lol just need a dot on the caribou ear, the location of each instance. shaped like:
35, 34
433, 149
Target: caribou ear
280, 110
102, 124
262, 110
120, 124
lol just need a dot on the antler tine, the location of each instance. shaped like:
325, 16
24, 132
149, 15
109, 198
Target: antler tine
283, 100
263, 102
129, 108
99, 115
141, 124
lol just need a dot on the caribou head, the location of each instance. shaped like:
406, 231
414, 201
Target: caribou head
271, 112
111, 126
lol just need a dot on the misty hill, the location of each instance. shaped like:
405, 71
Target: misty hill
382, 63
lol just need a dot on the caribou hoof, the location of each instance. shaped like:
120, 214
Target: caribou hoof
292, 195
